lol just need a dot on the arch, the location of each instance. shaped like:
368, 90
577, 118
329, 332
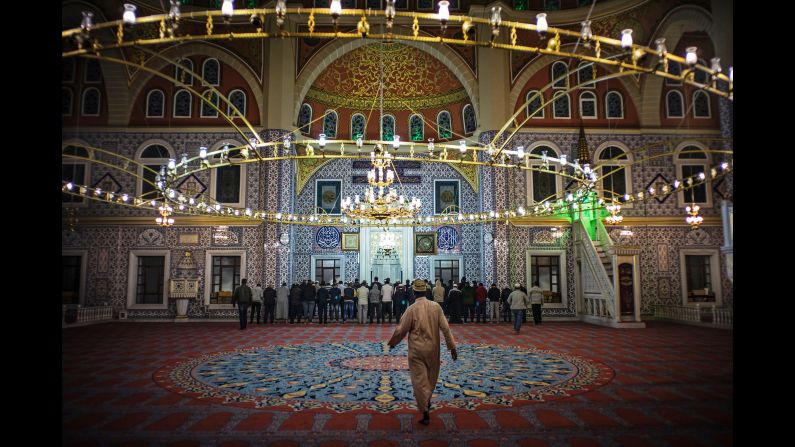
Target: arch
358, 125
188, 63
678, 21
67, 101
224, 56
238, 98
417, 127
211, 68
470, 122
537, 193
75, 170
334, 50
305, 118
440, 118
68, 69
542, 62
688, 165
701, 76
607, 163
96, 96
330, 122
78, 143
674, 102
548, 144
155, 141
242, 187
558, 106
701, 105
155, 101
179, 96
685, 144
610, 112
535, 104
590, 98
558, 69
385, 136
153, 163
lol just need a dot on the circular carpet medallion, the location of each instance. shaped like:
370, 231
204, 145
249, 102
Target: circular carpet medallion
367, 375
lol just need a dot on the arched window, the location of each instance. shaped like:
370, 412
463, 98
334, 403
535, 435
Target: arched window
674, 104
674, 68
153, 156
615, 105
416, 128
388, 127
358, 126
701, 76
93, 73
68, 70
560, 70
227, 183
182, 75
182, 104
561, 108
305, 118
74, 170
238, 99
585, 74
588, 105
211, 71
542, 185
330, 124
66, 101
444, 125
701, 104
614, 172
692, 159
91, 102
155, 104
207, 110
470, 121
536, 99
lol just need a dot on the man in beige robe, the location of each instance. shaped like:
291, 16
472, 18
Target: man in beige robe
422, 322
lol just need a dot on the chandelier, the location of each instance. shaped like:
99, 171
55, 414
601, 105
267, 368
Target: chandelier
381, 201
614, 218
165, 211
693, 219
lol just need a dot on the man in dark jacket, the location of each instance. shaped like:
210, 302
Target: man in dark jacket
399, 301
348, 302
409, 293
322, 302
468, 294
480, 302
242, 298
506, 308
308, 300
454, 304
494, 304
269, 301
447, 288
335, 302
295, 303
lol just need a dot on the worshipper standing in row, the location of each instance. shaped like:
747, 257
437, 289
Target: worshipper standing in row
348, 295
399, 301
308, 294
494, 304
518, 301
438, 293
386, 300
422, 321
362, 293
469, 300
242, 298
335, 302
506, 308
269, 301
256, 302
455, 304
296, 308
322, 299
374, 298
480, 302
282, 302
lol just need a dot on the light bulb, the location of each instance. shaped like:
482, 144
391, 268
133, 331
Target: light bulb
396, 141
731, 74
336, 8
715, 64
129, 14
203, 152
125, 197
172, 164
520, 151
444, 11
563, 159
174, 13
69, 186
322, 140
690, 56
660, 44
88, 21
585, 32
626, 38
462, 146
227, 9
541, 23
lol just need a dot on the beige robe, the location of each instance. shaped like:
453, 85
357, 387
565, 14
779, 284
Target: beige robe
422, 321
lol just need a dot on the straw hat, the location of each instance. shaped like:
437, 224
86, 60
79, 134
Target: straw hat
419, 285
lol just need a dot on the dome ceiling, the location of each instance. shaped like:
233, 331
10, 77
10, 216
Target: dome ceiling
411, 78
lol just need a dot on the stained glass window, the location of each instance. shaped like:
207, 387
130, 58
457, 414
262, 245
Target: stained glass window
207, 109
238, 99
585, 74
697, 194
615, 105
560, 107
388, 127
330, 124
93, 72
304, 118
182, 104
358, 125
588, 105
559, 70
535, 104
66, 101
91, 99
470, 122
211, 72
417, 128
701, 105
154, 104
673, 104
444, 123
182, 75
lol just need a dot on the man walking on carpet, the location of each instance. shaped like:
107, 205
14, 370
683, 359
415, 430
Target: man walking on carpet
422, 321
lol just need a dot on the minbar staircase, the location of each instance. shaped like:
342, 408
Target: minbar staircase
604, 258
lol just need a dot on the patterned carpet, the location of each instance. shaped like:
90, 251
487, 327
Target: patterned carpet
559, 384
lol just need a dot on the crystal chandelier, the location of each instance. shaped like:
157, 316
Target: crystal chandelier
693, 219
614, 218
164, 220
381, 201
